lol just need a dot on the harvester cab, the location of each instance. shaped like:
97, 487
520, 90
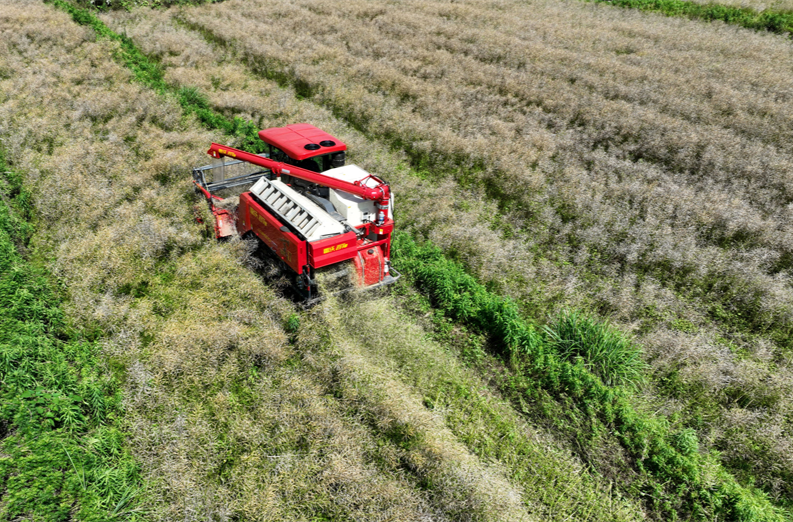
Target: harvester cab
304, 146
323, 220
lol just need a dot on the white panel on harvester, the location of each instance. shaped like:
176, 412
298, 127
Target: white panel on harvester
291, 207
355, 209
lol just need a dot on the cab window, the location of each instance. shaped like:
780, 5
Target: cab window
315, 164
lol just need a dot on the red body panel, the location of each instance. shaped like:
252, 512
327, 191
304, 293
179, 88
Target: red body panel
368, 256
224, 223
370, 264
285, 244
293, 139
332, 250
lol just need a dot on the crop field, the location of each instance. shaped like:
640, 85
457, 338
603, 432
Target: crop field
635, 169
641, 166
230, 413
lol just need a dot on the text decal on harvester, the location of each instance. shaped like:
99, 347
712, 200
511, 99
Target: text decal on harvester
334, 248
260, 218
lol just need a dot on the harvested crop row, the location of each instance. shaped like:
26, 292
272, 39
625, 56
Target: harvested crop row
585, 136
625, 226
226, 417
377, 342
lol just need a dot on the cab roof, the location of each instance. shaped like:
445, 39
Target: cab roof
301, 141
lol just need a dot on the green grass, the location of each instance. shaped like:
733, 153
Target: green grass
603, 350
62, 453
776, 22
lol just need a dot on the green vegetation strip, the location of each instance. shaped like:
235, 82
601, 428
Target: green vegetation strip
568, 363
562, 363
62, 457
776, 22
150, 74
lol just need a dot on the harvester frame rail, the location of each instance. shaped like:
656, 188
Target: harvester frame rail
200, 179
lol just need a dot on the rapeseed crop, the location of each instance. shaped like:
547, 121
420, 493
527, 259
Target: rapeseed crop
347, 422
233, 408
641, 162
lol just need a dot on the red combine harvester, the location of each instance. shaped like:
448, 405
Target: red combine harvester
316, 214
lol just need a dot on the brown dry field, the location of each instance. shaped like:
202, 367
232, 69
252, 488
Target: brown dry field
645, 163
229, 416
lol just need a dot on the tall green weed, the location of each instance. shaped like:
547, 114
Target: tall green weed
769, 20
604, 351
62, 454
679, 481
